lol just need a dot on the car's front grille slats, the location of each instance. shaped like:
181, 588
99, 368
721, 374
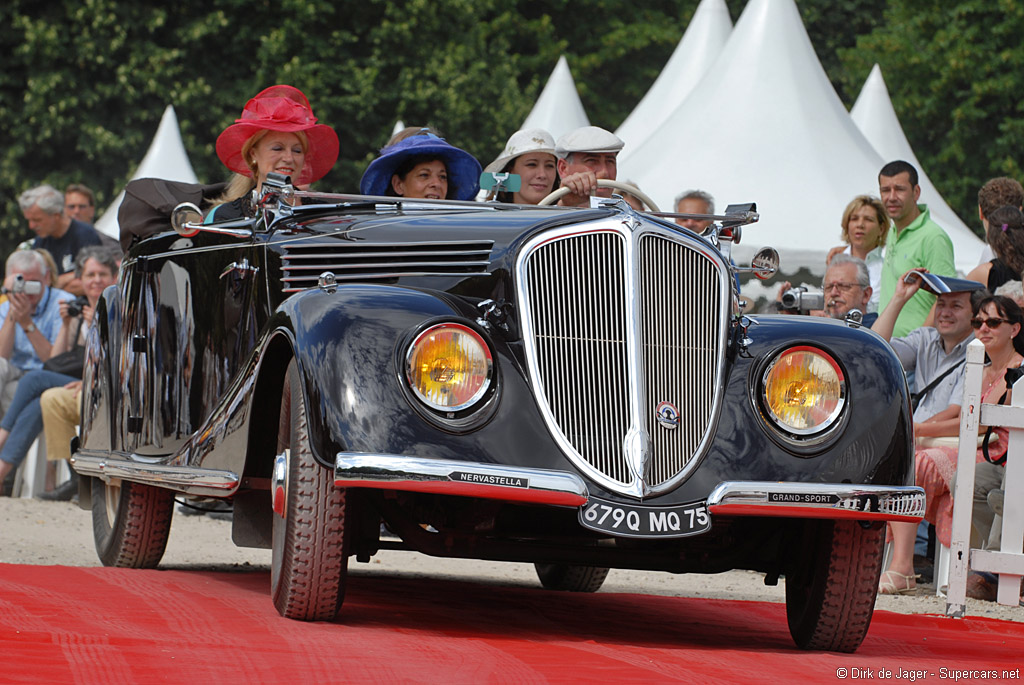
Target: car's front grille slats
678, 352
303, 262
581, 345
603, 358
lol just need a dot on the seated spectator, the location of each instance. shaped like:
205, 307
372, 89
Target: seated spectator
846, 287
632, 200
423, 166
29, 319
694, 202
61, 409
865, 226
57, 233
997, 193
1013, 290
22, 421
80, 203
585, 156
530, 153
998, 322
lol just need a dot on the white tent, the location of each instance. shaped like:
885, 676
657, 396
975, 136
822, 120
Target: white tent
558, 110
875, 117
166, 158
701, 44
765, 125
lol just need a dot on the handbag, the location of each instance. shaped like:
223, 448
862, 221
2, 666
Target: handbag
70, 363
1011, 376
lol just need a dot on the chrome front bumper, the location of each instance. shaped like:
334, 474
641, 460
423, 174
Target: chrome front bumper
560, 488
818, 500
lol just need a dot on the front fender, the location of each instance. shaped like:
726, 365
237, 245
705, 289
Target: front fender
346, 350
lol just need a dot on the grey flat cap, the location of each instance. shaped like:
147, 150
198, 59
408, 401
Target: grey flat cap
588, 139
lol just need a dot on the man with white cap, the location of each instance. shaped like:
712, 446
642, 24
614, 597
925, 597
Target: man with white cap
584, 156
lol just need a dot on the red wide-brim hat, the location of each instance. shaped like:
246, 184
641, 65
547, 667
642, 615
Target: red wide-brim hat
280, 108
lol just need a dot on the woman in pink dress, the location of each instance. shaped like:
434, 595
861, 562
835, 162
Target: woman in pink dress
997, 323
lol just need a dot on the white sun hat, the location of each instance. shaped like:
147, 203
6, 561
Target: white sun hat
521, 142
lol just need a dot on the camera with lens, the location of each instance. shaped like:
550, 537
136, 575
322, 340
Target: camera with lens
21, 285
802, 300
75, 306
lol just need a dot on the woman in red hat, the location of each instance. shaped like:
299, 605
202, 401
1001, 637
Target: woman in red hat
277, 133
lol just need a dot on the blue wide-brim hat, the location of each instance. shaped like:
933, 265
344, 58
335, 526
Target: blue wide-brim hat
463, 169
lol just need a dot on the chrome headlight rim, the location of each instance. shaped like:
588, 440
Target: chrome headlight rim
800, 440
465, 414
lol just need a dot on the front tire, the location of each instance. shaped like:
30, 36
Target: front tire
309, 560
130, 523
830, 592
571, 578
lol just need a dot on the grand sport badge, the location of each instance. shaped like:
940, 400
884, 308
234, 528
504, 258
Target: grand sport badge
667, 415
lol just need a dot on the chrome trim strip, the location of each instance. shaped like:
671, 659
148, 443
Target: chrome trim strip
450, 477
103, 465
818, 500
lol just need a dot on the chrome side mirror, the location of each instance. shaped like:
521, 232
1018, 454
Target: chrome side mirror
765, 263
186, 219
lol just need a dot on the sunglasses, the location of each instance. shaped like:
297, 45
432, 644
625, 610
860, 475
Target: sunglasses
991, 323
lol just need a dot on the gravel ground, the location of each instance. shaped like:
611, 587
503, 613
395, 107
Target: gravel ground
60, 533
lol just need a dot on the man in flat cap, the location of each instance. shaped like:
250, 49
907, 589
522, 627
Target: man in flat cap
585, 155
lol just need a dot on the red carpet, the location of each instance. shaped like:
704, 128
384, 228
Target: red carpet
95, 625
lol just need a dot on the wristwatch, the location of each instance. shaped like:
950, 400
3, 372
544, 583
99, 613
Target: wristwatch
29, 328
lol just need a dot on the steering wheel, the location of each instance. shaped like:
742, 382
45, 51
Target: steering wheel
603, 183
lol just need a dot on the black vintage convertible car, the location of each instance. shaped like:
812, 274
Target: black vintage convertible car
576, 388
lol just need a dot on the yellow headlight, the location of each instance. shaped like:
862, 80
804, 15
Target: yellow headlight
448, 366
804, 390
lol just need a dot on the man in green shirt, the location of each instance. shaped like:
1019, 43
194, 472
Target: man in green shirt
916, 242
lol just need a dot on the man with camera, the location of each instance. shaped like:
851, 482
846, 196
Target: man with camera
846, 286
29, 319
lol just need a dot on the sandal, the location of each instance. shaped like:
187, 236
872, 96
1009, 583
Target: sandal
887, 585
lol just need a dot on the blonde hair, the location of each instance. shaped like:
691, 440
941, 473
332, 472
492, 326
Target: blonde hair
866, 201
240, 185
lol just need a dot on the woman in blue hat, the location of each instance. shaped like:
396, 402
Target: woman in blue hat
423, 166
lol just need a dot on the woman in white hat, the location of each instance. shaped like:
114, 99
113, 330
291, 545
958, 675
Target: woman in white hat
530, 153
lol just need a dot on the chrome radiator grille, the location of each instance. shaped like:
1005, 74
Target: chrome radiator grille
616, 323
679, 324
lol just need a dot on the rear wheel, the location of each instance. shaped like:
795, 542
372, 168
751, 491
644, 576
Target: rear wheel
309, 560
130, 522
571, 578
830, 592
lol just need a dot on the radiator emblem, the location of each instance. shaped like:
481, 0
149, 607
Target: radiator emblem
667, 415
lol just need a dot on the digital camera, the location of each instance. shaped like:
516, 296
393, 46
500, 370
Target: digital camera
800, 299
75, 305
21, 285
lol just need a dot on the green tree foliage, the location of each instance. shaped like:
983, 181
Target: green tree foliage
954, 73
85, 81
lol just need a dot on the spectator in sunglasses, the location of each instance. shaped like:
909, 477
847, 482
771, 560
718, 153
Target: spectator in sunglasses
997, 323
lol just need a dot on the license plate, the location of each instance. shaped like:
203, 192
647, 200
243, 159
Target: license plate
635, 521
